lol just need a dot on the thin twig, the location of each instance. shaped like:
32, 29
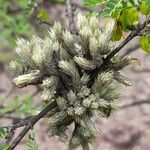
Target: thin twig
45, 22
136, 103
83, 7
17, 125
70, 8
29, 125
99, 9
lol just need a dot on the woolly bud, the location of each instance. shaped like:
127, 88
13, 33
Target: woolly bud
28, 79
38, 56
24, 51
86, 134
119, 62
94, 50
79, 111
85, 33
71, 97
48, 94
82, 21
47, 47
84, 63
103, 44
122, 79
94, 23
70, 111
61, 102
57, 28
57, 119
52, 35
68, 39
85, 91
70, 69
102, 103
48, 82
64, 54
97, 33
85, 78
94, 105
110, 28
17, 67
110, 92
86, 102
105, 77
102, 79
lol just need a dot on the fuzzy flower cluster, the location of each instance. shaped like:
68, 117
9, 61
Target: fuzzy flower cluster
64, 67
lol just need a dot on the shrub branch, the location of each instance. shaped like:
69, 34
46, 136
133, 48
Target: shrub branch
29, 125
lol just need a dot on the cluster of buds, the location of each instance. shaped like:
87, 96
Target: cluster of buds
64, 68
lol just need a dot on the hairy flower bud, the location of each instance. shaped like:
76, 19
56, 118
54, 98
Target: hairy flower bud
27, 79
84, 63
110, 28
122, 79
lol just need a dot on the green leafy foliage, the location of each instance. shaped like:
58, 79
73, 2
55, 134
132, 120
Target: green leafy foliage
145, 8
117, 33
4, 147
126, 13
21, 108
145, 43
111, 7
129, 17
14, 17
31, 143
2, 133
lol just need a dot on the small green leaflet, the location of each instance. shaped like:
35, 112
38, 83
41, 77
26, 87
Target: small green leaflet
31, 143
145, 8
42, 15
111, 7
145, 43
117, 33
129, 17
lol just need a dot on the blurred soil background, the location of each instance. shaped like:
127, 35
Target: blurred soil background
128, 128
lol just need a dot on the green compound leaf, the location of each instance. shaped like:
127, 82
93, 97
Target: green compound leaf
31, 143
111, 7
145, 43
145, 8
129, 17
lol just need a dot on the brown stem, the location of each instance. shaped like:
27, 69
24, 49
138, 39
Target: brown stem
70, 8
